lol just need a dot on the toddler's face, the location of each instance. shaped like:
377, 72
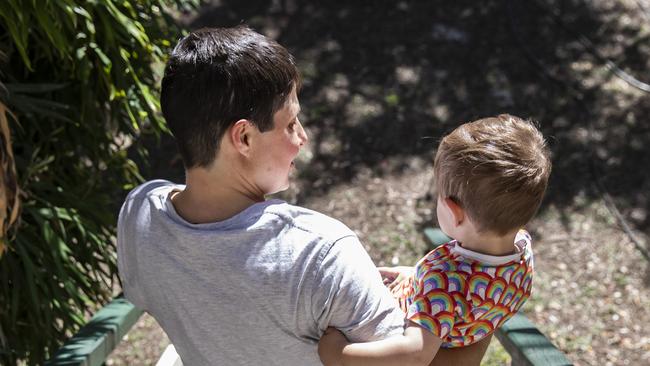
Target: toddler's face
445, 217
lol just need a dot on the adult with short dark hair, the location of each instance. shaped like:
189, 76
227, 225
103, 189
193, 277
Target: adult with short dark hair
233, 278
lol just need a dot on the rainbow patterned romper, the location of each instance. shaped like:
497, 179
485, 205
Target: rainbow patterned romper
462, 296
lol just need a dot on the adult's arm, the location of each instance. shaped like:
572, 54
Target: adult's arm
349, 295
462, 356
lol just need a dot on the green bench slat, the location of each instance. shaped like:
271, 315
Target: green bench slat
435, 236
527, 345
95, 340
519, 336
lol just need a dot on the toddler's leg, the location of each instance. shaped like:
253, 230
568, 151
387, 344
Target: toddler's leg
462, 356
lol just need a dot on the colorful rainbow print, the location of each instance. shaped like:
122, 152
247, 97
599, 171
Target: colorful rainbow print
463, 340
505, 272
470, 339
508, 294
420, 304
427, 321
479, 311
481, 328
464, 267
496, 315
477, 267
490, 271
461, 299
476, 299
463, 326
455, 332
478, 283
440, 301
439, 252
422, 267
495, 289
517, 299
446, 322
522, 300
518, 275
446, 266
433, 280
463, 307
440, 325
456, 282
528, 278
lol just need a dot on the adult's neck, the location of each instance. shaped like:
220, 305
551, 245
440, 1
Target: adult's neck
214, 194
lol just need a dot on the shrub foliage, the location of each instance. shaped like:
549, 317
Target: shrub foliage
78, 76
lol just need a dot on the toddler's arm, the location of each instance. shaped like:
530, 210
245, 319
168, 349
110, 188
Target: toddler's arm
417, 346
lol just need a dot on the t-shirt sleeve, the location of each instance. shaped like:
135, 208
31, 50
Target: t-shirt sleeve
349, 295
127, 260
432, 308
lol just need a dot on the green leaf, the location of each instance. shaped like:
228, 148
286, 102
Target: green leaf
32, 273
133, 27
102, 56
68, 8
39, 106
43, 14
18, 34
17, 279
34, 88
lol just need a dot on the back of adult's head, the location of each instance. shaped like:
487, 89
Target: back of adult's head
496, 169
217, 76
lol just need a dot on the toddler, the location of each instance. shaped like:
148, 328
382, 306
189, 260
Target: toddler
491, 176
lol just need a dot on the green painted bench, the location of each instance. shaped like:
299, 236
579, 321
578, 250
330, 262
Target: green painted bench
94, 342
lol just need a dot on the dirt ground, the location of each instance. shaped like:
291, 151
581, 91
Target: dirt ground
384, 80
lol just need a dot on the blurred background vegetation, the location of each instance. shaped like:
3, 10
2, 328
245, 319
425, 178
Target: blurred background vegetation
76, 79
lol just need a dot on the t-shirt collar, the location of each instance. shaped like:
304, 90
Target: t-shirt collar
492, 260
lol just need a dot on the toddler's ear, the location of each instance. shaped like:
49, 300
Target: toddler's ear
457, 212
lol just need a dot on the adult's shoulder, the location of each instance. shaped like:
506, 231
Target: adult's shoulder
310, 220
149, 188
151, 193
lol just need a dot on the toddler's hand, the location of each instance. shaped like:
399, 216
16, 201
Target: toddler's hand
396, 276
330, 347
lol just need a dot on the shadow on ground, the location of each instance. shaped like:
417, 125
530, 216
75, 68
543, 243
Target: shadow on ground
383, 80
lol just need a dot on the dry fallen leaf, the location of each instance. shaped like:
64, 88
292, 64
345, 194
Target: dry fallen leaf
9, 200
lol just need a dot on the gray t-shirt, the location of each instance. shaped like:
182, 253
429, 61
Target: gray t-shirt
258, 288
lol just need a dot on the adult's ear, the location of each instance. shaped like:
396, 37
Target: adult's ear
457, 212
240, 136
